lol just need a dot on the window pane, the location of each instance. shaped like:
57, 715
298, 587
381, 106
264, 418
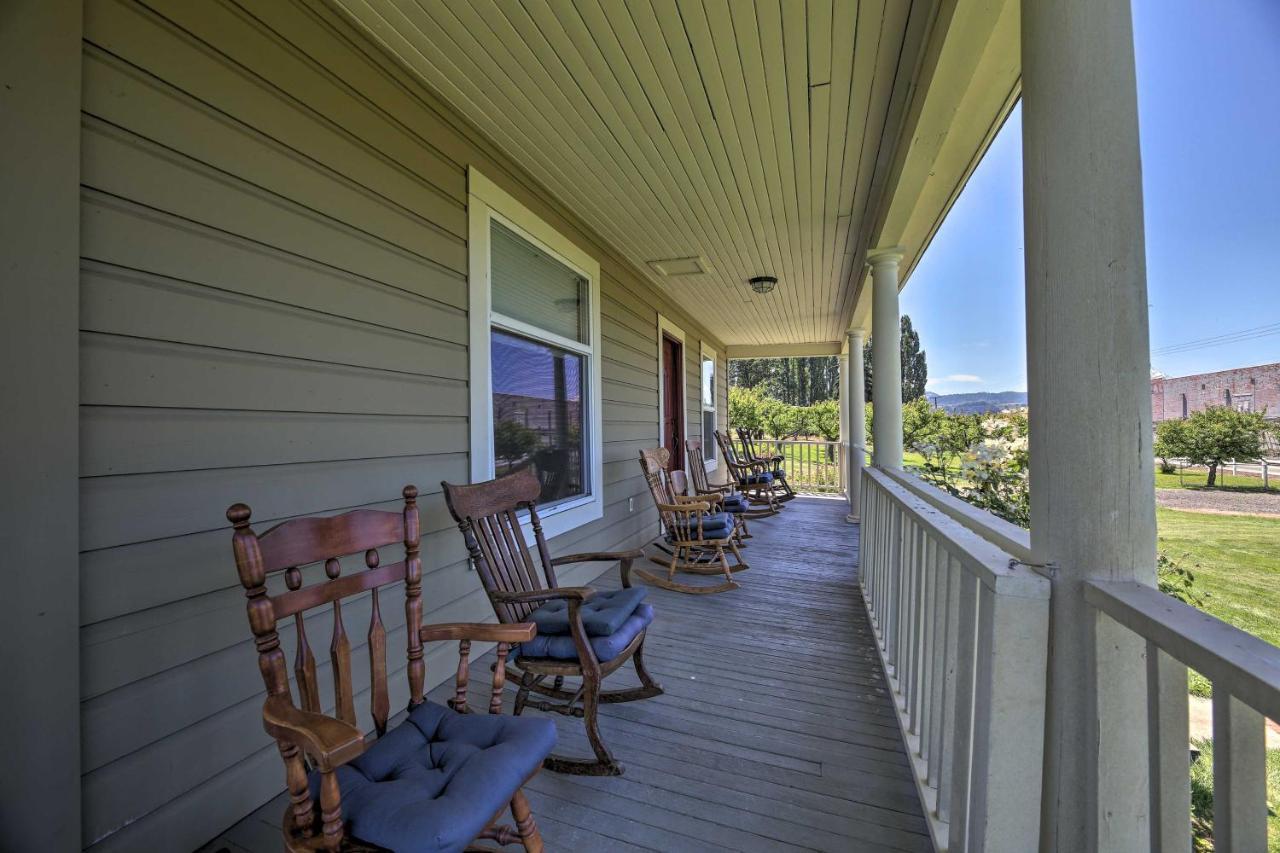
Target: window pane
538, 416
708, 384
708, 435
531, 286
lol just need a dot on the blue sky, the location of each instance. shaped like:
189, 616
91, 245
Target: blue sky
1209, 112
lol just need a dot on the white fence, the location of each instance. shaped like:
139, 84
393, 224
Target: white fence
962, 629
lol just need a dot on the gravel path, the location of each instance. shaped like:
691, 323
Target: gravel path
1236, 503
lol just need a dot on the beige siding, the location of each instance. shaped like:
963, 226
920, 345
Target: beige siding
273, 298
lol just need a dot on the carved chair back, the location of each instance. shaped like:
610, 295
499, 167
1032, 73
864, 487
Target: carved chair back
653, 462
301, 542
488, 515
697, 470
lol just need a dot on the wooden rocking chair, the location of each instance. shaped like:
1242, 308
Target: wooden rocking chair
752, 477
733, 501
696, 537
751, 447
376, 796
583, 633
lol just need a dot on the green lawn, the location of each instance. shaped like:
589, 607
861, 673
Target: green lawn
1236, 560
1198, 479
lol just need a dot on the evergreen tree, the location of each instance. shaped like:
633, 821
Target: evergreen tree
915, 370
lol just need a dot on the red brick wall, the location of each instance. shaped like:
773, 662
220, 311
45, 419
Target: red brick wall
1259, 384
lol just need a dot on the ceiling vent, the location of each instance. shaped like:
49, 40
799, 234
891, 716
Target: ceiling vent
672, 267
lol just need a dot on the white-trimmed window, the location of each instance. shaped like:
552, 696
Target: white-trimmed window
709, 424
535, 356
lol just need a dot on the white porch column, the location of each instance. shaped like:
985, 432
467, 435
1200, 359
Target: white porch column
1092, 498
856, 427
886, 358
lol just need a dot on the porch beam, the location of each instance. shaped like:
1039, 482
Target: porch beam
856, 425
886, 358
1089, 397
809, 350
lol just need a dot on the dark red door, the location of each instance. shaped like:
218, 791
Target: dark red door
673, 400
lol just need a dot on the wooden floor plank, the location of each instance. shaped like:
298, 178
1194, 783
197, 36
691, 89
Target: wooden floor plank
776, 731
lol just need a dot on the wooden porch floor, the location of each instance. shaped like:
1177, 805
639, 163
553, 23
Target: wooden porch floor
776, 731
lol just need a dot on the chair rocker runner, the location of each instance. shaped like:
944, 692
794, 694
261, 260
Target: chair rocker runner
751, 450
696, 537
753, 478
582, 633
436, 782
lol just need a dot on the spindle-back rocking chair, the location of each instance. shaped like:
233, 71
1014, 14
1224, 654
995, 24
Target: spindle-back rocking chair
752, 477
583, 633
379, 795
754, 449
696, 537
726, 494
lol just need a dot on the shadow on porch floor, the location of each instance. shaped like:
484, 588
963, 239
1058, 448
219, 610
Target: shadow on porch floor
776, 731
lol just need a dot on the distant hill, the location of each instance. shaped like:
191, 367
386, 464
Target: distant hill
979, 402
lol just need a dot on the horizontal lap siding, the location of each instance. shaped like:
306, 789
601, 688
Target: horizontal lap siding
273, 309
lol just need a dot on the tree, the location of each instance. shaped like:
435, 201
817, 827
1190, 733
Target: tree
915, 368
1212, 436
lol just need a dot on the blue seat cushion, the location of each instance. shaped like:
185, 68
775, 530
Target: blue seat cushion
435, 781
715, 525
734, 503
601, 616
561, 647
764, 478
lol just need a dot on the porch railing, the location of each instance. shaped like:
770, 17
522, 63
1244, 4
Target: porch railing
908, 573
962, 630
813, 467
1245, 672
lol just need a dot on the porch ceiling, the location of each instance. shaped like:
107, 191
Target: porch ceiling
760, 136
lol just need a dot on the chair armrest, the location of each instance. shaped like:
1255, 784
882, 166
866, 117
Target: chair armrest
686, 508
328, 740
483, 632
598, 557
569, 593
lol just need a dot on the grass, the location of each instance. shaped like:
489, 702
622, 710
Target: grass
1191, 478
1236, 560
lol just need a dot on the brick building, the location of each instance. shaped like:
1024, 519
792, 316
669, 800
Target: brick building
1248, 388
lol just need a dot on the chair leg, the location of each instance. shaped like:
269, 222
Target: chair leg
522, 695
648, 686
530, 837
604, 764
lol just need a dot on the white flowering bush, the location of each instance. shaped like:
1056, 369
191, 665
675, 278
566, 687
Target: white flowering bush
994, 471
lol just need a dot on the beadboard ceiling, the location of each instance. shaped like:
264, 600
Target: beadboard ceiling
756, 135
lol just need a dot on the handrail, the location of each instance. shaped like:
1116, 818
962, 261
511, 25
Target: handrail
961, 628
998, 568
1247, 666
811, 465
1003, 534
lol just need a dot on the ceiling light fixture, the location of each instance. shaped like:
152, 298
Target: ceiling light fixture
763, 283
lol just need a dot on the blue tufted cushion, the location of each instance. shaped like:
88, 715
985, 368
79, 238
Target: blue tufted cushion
435, 781
779, 474
561, 647
764, 478
601, 616
734, 503
715, 525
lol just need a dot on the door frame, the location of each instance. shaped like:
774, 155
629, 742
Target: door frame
668, 329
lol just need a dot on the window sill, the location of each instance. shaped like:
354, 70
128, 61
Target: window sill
564, 517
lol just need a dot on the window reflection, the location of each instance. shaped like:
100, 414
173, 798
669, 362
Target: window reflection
538, 414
